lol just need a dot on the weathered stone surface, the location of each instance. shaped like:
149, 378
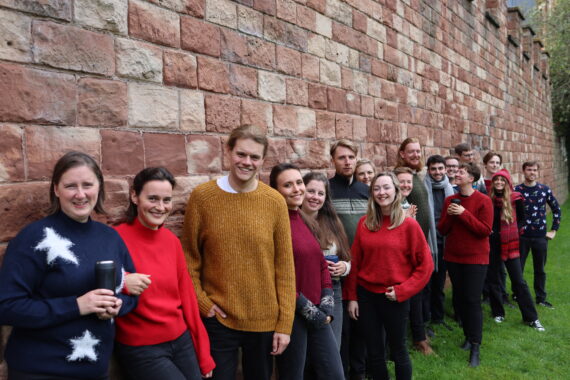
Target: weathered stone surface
21, 204
30, 95
247, 50
343, 125
222, 113
250, 21
324, 25
213, 75
271, 87
317, 96
284, 120
307, 18
154, 24
180, 69
336, 100
194, 8
204, 154
72, 48
200, 37
152, 106
353, 103
276, 154
116, 204
15, 36
102, 103
297, 92
286, 10
243, 81
256, 113
50, 8
168, 150
222, 12
184, 186
284, 33
109, 15
339, 11
325, 125
306, 122
123, 152
310, 69
308, 153
45, 145
138, 60
12, 157
288, 61
192, 111
265, 6
330, 73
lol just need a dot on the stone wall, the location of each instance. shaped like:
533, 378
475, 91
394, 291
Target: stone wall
162, 82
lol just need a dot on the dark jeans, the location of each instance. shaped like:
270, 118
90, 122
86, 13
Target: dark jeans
419, 314
17, 375
336, 324
520, 289
317, 346
437, 284
539, 247
175, 360
380, 316
467, 281
353, 346
257, 361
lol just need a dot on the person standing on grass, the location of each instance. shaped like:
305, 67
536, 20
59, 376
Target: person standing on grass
466, 222
507, 222
237, 241
535, 236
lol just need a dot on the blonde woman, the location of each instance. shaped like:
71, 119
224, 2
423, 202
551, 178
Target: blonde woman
364, 171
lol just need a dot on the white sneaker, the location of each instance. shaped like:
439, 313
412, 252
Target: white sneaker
537, 325
499, 319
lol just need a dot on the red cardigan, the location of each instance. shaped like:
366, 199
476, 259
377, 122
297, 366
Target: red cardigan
168, 307
399, 257
467, 235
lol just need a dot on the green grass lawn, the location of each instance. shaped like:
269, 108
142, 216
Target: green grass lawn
512, 350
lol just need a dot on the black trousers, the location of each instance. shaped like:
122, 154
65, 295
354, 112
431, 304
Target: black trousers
353, 346
467, 281
539, 247
419, 314
437, 283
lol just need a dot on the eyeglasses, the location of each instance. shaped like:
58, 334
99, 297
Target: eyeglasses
451, 166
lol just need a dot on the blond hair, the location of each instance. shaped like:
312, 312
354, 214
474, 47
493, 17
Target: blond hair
374, 214
346, 144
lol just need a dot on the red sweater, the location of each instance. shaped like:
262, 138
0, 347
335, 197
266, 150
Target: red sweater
168, 307
399, 257
467, 235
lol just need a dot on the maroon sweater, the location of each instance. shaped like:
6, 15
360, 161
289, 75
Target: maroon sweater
399, 257
467, 235
311, 271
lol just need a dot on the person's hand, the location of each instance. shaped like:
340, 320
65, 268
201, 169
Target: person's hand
111, 312
216, 310
412, 211
550, 235
280, 343
353, 310
337, 269
96, 301
328, 320
455, 209
208, 375
391, 293
136, 283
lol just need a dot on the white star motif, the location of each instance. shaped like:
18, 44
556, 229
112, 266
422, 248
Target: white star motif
119, 287
83, 347
56, 246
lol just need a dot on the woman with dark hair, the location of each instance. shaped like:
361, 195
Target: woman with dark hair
62, 323
318, 207
312, 338
164, 336
391, 262
492, 162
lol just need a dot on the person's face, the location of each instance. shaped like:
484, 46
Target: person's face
467, 156
78, 191
246, 159
154, 203
315, 194
406, 183
530, 173
290, 185
412, 155
384, 192
344, 161
451, 166
462, 177
365, 173
499, 183
437, 171
493, 165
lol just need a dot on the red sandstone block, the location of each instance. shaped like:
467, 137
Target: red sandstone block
374, 131
204, 154
307, 18
243, 81
359, 129
343, 126
353, 103
200, 37
310, 67
213, 75
379, 69
24, 96
317, 96
309, 153
326, 125
247, 50
284, 33
377, 154
154, 24
288, 61
276, 153
391, 38
73, 48
12, 157
265, 6
395, 57
359, 21
259, 114
168, 150
180, 69
336, 100
318, 5
297, 92
385, 110
48, 8
286, 10
192, 7
102, 103
123, 152
405, 113
366, 105
284, 120
347, 78
222, 113
388, 91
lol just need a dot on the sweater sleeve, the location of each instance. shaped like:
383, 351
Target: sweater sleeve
519, 208
555, 208
129, 301
351, 280
445, 220
482, 223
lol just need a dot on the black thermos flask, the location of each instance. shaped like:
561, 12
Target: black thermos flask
456, 201
105, 275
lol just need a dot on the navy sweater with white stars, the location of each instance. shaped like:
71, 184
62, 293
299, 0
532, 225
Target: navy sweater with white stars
47, 266
535, 200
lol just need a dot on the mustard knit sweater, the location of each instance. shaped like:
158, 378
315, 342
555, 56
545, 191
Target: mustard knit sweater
240, 257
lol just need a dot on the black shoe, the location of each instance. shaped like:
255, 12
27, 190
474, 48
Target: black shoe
546, 304
466, 346
474, 359
429, 332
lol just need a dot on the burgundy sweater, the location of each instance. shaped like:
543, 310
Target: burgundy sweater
311, 271
399, 257
467, 235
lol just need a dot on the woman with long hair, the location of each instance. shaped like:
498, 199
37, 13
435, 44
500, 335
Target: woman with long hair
507, 222
391, 262
312, 338
164, 336
62, 318
318, 207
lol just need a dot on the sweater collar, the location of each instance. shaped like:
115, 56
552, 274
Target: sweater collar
144, 231
345, 181
72, 223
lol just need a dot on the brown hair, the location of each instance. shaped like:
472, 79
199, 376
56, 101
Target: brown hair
507, 209
344, 143
248, 132
471, 169
374, 214
144, 176
460, 148
490, 155
402, 170
531, 163
400, 161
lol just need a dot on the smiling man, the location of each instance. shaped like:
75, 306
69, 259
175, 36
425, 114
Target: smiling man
237, 241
